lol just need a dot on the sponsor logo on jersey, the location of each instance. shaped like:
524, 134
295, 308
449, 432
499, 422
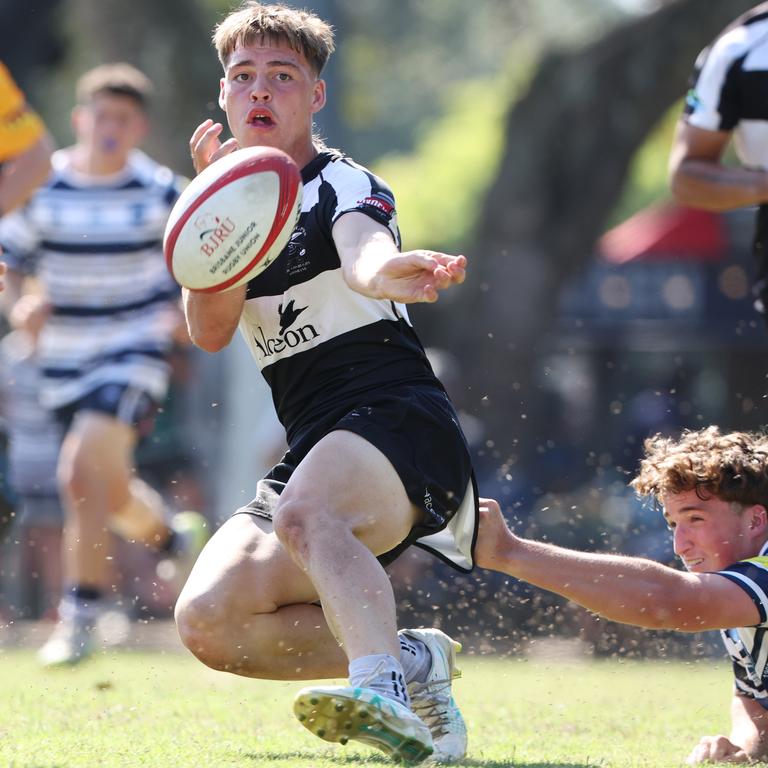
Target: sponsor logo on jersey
692, 100
288, 336
288, 315
379, 200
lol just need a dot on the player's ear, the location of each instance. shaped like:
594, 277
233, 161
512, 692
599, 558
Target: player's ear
222, 98
758, 518
318, 96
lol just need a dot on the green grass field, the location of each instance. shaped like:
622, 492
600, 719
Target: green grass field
154, 709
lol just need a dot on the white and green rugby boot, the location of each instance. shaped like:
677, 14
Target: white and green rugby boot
72, 642
432, 700
342, 714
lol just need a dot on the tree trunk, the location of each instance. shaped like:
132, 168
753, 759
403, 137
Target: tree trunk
568, 144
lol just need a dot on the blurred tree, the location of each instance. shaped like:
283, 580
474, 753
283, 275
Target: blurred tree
403, 69
20, 23
567, 145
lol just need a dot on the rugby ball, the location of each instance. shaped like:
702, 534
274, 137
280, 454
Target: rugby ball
233, 219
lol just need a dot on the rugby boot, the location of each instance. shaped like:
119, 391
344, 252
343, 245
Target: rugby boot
432, 699
342, 714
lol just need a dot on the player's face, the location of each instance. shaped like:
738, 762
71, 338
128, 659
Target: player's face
270, 94
712, 534
110, 126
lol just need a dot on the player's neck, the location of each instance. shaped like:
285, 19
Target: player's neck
95, 164
304, 155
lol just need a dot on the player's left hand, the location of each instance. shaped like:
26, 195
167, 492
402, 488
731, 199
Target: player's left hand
717, 749
419, 276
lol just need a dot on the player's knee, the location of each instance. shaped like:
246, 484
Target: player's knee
292, 525
73, 481
202, 629
212, 630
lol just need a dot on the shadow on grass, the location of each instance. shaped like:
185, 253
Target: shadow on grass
290, 758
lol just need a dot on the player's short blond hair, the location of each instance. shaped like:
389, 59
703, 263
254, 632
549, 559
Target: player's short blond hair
302, 30
732, 467
116, 79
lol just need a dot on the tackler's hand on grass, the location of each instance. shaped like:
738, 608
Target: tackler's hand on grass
717, 749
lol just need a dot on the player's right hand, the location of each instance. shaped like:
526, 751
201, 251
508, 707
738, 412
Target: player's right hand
30, 313
717, 749
205, 146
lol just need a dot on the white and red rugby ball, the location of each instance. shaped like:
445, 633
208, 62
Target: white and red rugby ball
233, 219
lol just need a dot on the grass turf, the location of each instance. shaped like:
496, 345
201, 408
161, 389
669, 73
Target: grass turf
152, 709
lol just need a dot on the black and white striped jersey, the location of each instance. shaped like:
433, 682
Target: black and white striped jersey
730, 87
320, 345
95, 243
748, 646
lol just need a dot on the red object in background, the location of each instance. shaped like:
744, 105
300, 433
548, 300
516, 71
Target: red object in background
664, 231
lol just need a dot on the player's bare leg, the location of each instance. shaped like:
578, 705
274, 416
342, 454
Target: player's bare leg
100, 494
344, 505
246, 609
245, 580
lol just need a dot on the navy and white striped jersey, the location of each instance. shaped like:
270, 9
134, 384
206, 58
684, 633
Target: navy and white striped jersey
34, 434
748, 646
320, 345
95, 243
730, 87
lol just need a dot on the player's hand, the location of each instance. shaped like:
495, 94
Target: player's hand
3, 270
717, 749
206, 147
419, 276
30, 313
494, 539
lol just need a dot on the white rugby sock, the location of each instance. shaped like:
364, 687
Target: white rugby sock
381, 672
80, 610
415, 658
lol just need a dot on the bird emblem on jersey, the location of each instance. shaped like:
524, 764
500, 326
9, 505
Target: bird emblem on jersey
288, 315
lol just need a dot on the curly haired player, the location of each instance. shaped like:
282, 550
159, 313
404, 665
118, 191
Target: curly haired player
713, 489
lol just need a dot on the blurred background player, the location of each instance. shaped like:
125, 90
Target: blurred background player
359, 401
109, 313
713, 491
727, 102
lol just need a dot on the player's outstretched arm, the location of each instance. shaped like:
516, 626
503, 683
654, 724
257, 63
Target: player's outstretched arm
373, 266
748, 740
631, 590
699, 179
